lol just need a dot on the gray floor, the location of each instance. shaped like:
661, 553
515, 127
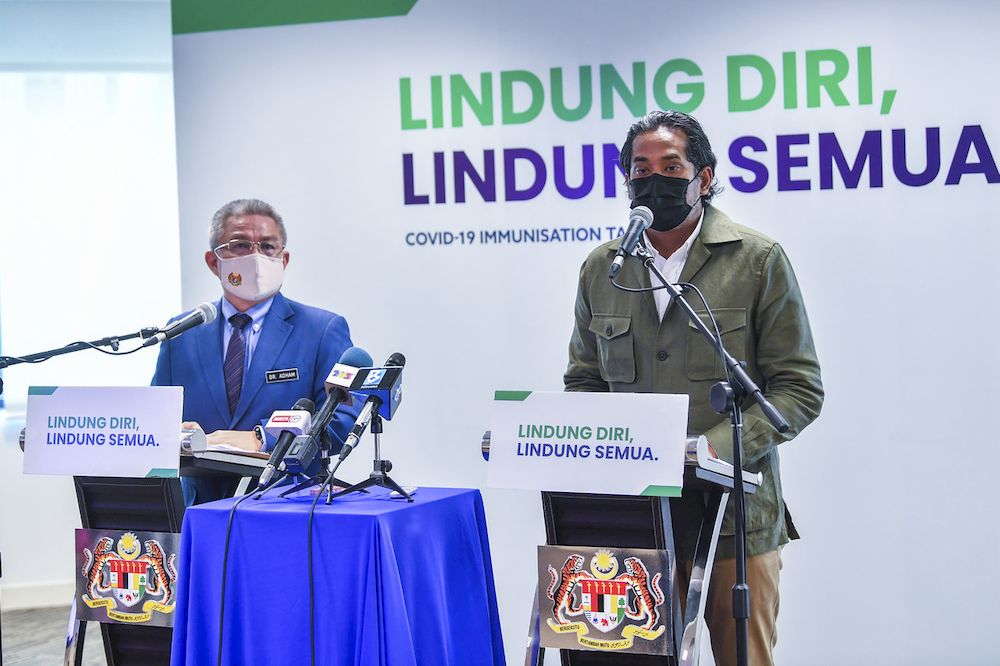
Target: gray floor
37, 637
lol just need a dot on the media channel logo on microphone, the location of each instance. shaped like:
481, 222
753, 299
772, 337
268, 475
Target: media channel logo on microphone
373, 378
342, 373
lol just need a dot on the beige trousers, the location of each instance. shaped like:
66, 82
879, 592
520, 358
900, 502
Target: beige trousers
762, 577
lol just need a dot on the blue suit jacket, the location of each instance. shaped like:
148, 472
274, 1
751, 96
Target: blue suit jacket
294, 335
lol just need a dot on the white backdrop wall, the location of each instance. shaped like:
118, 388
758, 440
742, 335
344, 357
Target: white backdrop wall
88, 237
891, 482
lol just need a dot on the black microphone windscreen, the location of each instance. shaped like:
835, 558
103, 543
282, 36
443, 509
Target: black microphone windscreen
396, 360
305, 405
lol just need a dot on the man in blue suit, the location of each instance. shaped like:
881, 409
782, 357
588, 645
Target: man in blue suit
261, 354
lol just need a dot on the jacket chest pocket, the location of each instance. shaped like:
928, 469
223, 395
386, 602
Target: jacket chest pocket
615, 352
703, 361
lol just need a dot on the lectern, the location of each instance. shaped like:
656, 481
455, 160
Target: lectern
151, 504
148, 505
588, 520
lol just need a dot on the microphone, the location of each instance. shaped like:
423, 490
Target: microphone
286, 425
337, 384
639, 220
385, 384
304, 448
203, 314
374, 402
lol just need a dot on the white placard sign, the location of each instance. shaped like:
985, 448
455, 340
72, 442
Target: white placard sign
613, 443
103, 431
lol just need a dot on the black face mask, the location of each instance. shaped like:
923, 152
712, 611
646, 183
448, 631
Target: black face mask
665, 196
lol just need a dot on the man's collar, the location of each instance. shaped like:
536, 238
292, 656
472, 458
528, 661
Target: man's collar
717, 228
256, 312
685, 247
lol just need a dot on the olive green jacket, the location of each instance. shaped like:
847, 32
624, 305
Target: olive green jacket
619, 344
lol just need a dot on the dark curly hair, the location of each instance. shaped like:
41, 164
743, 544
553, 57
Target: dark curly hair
699, 150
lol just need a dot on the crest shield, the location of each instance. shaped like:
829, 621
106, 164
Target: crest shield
128, 580
621, 593
604, 602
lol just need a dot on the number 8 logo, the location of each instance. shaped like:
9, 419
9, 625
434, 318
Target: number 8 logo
374, 377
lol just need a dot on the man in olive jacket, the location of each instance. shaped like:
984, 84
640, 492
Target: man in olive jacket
641, 343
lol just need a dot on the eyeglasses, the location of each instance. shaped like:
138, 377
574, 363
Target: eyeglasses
243, 248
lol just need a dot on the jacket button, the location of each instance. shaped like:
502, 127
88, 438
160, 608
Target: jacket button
662, 355
608, 331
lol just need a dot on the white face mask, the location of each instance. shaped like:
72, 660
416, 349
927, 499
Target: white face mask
254, 277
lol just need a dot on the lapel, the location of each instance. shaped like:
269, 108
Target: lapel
716, 229
208, 341
274, 334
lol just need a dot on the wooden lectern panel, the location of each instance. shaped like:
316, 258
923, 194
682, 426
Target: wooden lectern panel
580, 519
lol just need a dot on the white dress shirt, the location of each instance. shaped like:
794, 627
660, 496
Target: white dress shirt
670, 267
251, 334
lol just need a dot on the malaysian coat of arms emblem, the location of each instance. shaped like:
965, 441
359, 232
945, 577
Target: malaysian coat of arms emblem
117, 577
620, 601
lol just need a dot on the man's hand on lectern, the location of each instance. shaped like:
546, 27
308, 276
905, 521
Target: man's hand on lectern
240, 439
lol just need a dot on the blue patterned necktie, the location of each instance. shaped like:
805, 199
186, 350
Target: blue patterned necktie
236, 356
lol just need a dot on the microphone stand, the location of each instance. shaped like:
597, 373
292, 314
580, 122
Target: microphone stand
113, 342
380, 474
324, 474
273, 483
728, 397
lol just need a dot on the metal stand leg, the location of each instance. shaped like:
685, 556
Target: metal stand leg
76, 632
673, 577
380, 474
535, 654
701, 574
243, 486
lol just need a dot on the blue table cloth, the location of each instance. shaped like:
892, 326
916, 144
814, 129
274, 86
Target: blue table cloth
396, 583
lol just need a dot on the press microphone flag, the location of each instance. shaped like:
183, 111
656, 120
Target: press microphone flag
640, 219
342, 376
286, 425
295, 420
203, 314
305, 448
390, 377
385, 384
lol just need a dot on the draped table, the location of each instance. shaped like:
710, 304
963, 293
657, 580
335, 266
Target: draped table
395, 583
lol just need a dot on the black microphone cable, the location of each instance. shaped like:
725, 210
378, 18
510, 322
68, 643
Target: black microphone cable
684, 286
312, 580
715, 324
305, 402
225, 571
78, 345
225, 556
274, 483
